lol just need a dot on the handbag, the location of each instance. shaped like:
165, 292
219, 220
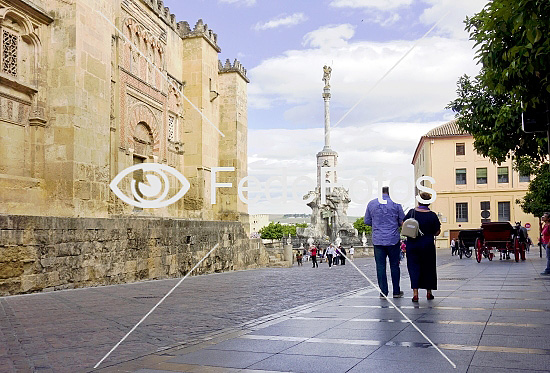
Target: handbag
411, 227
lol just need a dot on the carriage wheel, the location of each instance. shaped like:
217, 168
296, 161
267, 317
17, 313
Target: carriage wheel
468, 252
479, 249
522, 250
516, 249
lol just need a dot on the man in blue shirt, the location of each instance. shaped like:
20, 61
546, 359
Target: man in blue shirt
385, 220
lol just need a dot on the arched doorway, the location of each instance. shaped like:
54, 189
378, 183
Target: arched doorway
143, 150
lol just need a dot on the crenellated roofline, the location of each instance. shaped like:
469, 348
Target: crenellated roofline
182, 28
235, 67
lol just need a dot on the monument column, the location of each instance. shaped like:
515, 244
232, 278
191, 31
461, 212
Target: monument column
326, 96
326, 157
328, 217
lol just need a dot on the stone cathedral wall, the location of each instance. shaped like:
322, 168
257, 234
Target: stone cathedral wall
88, 89
79, 103
50, 253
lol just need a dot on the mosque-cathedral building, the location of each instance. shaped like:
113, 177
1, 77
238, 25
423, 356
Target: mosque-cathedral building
88, 89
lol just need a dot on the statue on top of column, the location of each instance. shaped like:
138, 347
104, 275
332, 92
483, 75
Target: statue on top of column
326, 75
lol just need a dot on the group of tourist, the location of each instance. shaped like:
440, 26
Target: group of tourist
334, 255
385, 218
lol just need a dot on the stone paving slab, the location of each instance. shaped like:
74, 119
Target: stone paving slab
70, 331
271, 321
323, 337
376, 365
331, 349
221, 358
512, 361
307, 363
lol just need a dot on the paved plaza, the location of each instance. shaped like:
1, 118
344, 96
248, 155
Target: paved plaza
490, 317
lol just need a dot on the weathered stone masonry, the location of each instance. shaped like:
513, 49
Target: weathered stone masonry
87, 89
50, 253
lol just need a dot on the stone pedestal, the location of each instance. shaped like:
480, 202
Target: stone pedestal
287, 253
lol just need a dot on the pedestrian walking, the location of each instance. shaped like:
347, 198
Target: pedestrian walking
453, 247
330, 254
385, 219
421, 250
336, 256
314, 257
545, 239
342, 255
299, 257
351, 252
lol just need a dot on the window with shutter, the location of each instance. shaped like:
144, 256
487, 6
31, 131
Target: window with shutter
460, 149
462, 212
460, 176
481, 175
502, 173
504, 211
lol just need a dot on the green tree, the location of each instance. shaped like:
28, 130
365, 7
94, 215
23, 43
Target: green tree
361, 227
537, 198
273, 231
291, 228
513, 47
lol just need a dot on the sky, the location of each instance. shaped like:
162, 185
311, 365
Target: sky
391, 80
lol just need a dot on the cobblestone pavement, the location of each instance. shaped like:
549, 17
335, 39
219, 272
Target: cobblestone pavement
70, 331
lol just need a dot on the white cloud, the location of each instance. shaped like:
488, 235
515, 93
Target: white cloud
385, 21
363, 151
373, 4
329, 36
382, 132
423, 83
456, 12
239, 2
281, 21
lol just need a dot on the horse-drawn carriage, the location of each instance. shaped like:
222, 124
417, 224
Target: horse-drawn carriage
466, 240
503, 237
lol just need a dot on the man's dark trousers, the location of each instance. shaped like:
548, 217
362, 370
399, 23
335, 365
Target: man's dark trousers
380, 254
329, 260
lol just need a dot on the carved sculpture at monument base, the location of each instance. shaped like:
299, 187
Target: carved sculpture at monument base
329, 220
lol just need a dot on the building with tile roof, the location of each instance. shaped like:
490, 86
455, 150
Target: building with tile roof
470, 189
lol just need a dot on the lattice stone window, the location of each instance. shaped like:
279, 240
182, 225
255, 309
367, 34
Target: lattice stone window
9, 53
171, 127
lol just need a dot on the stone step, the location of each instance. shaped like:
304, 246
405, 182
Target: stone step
280, 264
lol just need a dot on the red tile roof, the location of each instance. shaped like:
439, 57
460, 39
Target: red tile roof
447, 129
